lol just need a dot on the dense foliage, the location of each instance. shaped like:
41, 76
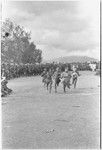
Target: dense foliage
16, 47
15, 71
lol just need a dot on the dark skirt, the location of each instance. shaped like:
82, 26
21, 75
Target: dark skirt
57, 81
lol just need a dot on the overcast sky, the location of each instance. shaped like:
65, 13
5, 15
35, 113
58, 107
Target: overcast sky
61, 28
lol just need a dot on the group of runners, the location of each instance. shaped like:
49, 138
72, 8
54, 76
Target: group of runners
67, 78
50, 77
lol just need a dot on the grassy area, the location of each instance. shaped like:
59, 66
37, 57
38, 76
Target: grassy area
34, 118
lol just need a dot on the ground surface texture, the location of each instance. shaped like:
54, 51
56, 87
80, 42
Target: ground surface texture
34, 118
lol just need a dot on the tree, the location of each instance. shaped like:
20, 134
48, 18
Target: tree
16, 46
32, 55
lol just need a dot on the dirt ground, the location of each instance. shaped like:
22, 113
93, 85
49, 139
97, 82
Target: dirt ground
32, 118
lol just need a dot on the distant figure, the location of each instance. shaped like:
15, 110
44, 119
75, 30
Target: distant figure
4, 89
48, 80
92, 67
57, 76
44, 76
75, 75
66, 76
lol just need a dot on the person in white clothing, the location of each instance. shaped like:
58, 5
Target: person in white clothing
75, 75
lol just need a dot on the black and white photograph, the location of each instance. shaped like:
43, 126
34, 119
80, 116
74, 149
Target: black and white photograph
50, 74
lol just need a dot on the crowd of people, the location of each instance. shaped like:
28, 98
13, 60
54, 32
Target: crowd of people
56, 76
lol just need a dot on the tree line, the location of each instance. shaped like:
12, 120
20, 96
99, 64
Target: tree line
21, 70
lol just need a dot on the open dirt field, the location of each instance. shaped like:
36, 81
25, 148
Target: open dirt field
34, 118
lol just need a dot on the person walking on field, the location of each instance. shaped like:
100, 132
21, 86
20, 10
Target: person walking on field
75, 75
57, 76
44, 76
66, 76
49, 80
